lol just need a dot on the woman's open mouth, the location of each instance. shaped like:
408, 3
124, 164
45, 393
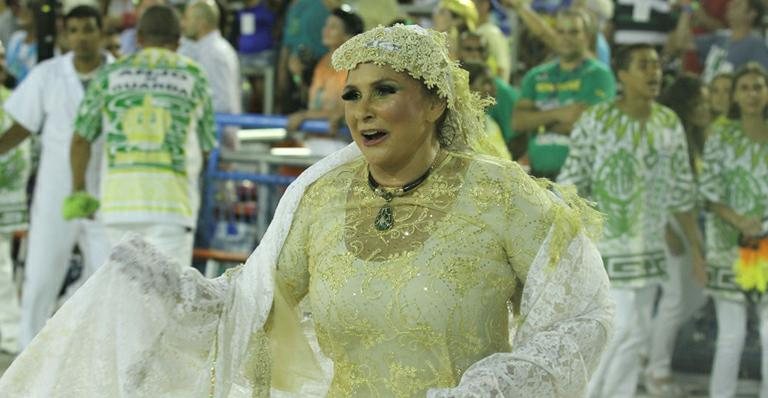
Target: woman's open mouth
373, 137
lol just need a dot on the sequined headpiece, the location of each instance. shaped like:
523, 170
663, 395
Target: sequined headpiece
423, 54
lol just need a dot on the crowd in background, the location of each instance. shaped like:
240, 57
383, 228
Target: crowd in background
694, 70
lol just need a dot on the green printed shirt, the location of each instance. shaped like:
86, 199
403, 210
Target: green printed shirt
638, 174
155, 109
735, 174
550, 87
14, 173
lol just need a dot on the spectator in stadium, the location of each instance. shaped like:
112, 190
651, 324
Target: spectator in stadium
327, 84
720, 90
473, 49
499, 58
598, 12
725, 50
8, 23
481, 80
554, 94
455, 17
21, 49
215, 55
301, 47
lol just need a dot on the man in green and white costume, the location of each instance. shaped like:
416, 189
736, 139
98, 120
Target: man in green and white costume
630, 157
156, 113
554, 94
14, 172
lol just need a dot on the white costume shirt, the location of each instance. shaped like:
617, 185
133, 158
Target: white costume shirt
46, 103
219, 60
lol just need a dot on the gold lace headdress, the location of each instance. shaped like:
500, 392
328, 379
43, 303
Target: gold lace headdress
423, 54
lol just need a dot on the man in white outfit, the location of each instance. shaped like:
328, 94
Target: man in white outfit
218, 58
46, 103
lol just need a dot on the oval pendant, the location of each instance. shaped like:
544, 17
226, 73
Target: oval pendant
385, 219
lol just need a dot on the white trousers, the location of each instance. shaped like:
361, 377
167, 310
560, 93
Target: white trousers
175, 241
51, 241
680, 299
731, 333
617, 374
9, 299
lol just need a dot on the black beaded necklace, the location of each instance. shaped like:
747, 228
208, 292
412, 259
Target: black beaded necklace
385, 219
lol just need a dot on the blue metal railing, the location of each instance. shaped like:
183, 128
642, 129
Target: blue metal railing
212, 172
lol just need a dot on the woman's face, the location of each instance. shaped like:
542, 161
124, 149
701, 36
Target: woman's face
391, 116
334, 34
720, 95
701, 114
751, 94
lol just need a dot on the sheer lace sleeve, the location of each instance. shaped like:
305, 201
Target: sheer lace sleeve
565, 323
141, 327
292, 268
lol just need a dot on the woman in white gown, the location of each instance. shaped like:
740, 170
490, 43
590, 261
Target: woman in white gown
409, 245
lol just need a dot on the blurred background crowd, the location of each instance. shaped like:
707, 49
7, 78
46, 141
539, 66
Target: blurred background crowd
543, 61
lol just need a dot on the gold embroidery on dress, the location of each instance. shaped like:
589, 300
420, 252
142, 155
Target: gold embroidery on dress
396, 310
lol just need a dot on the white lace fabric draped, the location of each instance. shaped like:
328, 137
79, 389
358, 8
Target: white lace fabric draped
142, 328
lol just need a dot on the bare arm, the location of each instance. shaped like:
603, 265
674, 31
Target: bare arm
333, 116
681, 38
282, 75
529, 118
746, 225
687, 221
535, 23
707, 21
13, 137
79, 156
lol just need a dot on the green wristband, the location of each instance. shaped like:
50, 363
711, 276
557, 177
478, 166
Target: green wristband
79, 205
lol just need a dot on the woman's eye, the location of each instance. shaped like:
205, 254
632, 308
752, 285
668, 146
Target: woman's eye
350, 95
385, 89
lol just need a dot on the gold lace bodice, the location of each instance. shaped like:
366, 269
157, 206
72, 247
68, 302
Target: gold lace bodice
410, 308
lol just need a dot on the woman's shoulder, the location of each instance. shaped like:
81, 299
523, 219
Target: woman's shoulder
507, 182
331, 182
529, 202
